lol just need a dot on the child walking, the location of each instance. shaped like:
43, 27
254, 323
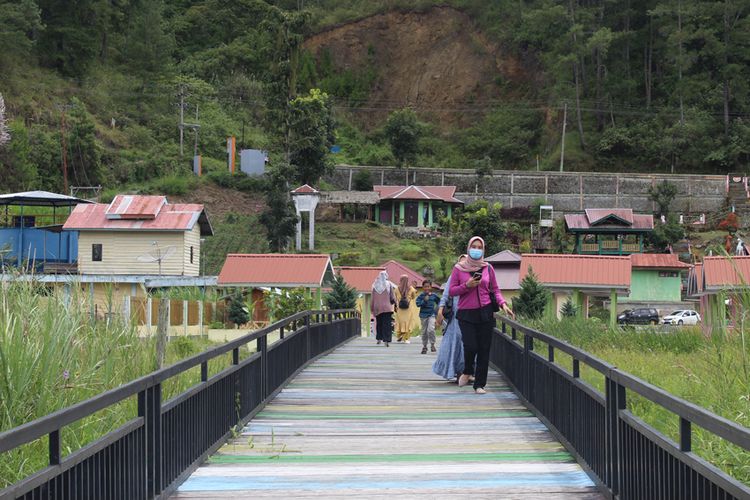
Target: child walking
428, 302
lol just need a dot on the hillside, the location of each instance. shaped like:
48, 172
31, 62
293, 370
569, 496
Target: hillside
435, 61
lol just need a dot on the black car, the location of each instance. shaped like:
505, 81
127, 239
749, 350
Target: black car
642, 316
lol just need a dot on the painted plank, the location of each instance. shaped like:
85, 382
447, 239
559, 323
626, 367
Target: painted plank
375, 422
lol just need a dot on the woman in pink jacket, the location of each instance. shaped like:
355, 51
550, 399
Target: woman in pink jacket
473, 282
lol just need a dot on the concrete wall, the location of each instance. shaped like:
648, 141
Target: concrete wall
646, 285
566, 191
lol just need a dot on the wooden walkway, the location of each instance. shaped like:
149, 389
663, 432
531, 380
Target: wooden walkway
375, 422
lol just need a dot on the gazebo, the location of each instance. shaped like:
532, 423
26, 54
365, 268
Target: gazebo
36, 234
609, 231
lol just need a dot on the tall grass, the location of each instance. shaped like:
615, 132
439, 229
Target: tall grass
708, 370
53, 354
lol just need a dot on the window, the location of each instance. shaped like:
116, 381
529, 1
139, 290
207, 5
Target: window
667, 274
191, 254
96, 252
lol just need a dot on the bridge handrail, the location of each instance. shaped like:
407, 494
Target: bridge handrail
722, 427
522, 362
51, 425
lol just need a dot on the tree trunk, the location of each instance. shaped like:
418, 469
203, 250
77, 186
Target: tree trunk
162, 330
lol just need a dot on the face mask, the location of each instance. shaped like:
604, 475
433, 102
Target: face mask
475, 253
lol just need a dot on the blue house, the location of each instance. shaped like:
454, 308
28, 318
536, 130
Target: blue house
31, 232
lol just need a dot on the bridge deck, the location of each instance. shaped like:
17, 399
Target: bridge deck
375, 422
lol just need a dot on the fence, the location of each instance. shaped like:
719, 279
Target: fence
149, 456
625, 456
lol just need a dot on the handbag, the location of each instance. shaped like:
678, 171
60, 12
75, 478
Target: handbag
493, 299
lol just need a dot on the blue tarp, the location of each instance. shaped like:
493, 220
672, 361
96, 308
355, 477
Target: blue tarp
20, 244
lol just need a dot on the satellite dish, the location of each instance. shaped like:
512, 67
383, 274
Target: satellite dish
157, 255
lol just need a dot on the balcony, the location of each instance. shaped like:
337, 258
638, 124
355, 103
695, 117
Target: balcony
610, 247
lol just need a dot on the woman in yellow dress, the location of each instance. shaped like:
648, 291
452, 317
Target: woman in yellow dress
405, 302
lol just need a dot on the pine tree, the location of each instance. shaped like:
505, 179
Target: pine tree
238, 313
532, 298
569, 310
4, 135
342, 296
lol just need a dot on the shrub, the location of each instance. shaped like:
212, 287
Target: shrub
342, 296
532, 299
362, 180
729, 223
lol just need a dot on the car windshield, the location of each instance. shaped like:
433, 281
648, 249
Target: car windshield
677, 313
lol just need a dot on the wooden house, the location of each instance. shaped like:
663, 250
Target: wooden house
139, 235
415, 206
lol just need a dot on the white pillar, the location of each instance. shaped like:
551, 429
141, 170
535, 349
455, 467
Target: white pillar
185, 316
126, 309
298, 241
311, 226
149, 318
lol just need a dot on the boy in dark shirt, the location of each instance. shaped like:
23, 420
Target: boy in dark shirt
428, 302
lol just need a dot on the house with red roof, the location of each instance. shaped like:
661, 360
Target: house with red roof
721, 284
139, 235
415, 206
396, 269
309, 271
609, 231
656, 279
580, 277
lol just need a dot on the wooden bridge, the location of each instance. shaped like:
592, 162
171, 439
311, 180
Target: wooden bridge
372, 421
324, 413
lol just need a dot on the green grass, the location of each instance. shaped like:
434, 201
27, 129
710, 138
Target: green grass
372, 244
710, 372
52, 355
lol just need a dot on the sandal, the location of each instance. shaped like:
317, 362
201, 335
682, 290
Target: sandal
480, 390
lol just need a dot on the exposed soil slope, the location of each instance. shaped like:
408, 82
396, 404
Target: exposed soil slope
435, 61
220, 201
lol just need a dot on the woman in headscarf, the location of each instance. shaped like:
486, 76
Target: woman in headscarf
474, 282
450, 358
405, 297
383, 302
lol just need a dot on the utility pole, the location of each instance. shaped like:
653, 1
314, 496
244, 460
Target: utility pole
195, 129
182, 125
63, 135
562, 145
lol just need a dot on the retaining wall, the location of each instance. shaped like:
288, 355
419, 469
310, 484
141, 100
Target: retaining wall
565, 191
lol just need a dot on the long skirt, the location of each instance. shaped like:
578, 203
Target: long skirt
450, 358
384, 327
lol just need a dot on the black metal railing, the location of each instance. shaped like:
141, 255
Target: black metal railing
152, 454
625, 456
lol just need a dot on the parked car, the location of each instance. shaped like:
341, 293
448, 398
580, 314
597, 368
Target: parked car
641, 316
682, 317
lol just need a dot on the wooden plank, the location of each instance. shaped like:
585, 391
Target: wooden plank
375, 422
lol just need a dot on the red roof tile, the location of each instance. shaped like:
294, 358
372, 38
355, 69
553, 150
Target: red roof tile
597, 215
657, 261
439, 193
275, 270
504, 257
725, 272
395, 269
585, 271
306, 189
138, 215
360, 278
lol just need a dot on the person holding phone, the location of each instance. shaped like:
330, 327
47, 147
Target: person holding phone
473, 282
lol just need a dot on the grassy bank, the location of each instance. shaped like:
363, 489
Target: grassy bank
52, 355
713, 373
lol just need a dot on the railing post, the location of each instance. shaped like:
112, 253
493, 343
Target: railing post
513, 334
307, 336
54, 447
686, 438
614, 402
149, 407
263, 349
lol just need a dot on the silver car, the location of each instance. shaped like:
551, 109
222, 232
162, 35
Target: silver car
682, 317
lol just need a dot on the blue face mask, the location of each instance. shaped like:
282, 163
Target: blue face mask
476, 253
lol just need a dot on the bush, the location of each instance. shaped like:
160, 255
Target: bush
729, 223
362, 180
342, 296
532, 299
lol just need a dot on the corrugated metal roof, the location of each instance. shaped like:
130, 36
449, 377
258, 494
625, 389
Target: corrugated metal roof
176, 217
135, 207
725, 272
439, 193
275, 270
596, 215
657, 260
584, 271
641, 222
360, 278
504, 257
356, 197
395, 269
